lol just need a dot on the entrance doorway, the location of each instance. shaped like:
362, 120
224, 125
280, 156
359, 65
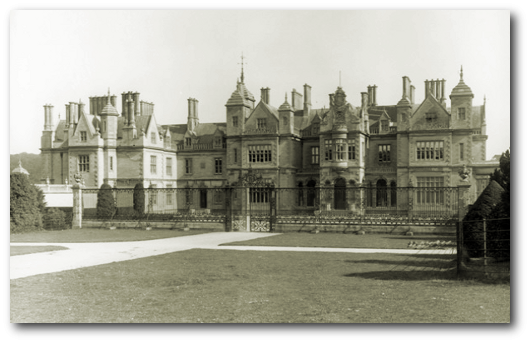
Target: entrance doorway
204, 198
340, 194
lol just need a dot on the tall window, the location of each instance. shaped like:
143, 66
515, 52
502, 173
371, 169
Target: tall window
285, 121
351, 149
328, 154
384, 153
218, 165
262, 123
235, 155
315, 155
235, 121
461, 151
429, 190
153, 164
169, 166
153, 137
188, 141
83, 136
340, 150
259, 153
84, 163
431, 150
461, 113
188, 166
111, 163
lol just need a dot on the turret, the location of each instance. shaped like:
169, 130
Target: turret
286, 117
461, 103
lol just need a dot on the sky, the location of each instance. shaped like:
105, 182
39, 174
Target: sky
169, 56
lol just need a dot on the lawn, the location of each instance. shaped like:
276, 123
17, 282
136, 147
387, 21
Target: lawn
338, 240
99, 235
219, 286
24, 250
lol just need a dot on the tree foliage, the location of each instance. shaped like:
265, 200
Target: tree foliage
26, 204
31, 162
106, 205
502, 174
139, 199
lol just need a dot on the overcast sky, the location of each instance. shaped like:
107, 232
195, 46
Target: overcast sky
168, 56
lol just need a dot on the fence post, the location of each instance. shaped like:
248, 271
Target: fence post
459, 246
77, 208
485, 254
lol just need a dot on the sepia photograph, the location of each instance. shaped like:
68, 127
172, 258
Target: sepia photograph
251, 166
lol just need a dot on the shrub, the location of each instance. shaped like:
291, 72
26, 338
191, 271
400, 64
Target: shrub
26, 200
106, 205
473, 225
55, 219
139, 199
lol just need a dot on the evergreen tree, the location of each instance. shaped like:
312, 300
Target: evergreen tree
139, 199
106, 205
26, 203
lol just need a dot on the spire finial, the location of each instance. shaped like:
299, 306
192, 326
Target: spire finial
285, 96
461, 73
108, 97
339, 79
242, 72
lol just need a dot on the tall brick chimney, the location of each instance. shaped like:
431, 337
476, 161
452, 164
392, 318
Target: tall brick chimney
265, 95
307, 100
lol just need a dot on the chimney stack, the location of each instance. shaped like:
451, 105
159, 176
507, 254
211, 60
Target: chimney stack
193, 116
406, 88
307, 100
130, 110
67, 113
364, 102
374, 95
136, 98
370, 97
265, 95
442, 100
412, 94
48, 117
297, 102
81, 109
73, 113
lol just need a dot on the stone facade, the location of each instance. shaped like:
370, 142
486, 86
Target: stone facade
294, 145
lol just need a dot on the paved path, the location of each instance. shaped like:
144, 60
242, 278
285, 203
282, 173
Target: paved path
81, 255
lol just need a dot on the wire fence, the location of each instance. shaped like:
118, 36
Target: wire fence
483, 247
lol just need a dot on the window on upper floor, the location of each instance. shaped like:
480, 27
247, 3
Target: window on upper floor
315, 129
218, 166
169, 166
328, 153
111, 163
83, 136
188, 141
84, 163
461, 113
285, 121
315, 155
384, 125
188, 166
351, 149
262, 123
340, 150
153, 137
235, 155
461, 151
384, 152
430, 150
259, 153
235, 121
153, 164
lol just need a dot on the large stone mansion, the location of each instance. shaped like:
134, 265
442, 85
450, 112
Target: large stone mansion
348, 143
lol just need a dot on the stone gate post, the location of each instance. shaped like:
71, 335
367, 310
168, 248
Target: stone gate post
77, 209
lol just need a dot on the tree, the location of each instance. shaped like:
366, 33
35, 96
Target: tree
26, 203
139, 199
502, 174
499, 219
106, 205
473, 220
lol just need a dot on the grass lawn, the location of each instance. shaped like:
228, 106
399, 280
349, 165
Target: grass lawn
98, 235
339, 240
14, 250
222, 286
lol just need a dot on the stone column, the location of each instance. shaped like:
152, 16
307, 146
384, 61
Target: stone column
77, 209
463, 199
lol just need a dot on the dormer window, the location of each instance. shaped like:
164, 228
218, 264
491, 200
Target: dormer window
153, 138
430, 117
217, 142
384, 125
315, 129
188, 141
83, 136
